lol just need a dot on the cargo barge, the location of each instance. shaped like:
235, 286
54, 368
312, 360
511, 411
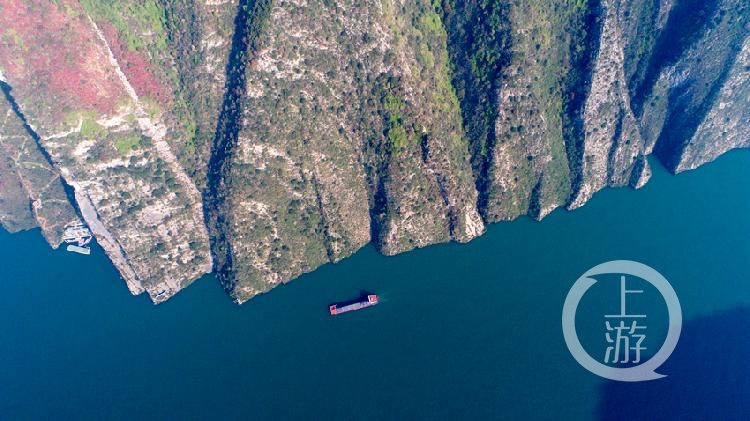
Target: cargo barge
364, 302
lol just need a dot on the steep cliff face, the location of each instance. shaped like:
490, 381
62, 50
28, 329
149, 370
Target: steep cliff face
98, 111
523, 69
272, 136
15, 203
198, 35
342, 125
725, 125
690, 75
33, 193
293, 175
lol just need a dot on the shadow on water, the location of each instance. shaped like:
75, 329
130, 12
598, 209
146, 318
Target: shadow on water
708, 376
361, 296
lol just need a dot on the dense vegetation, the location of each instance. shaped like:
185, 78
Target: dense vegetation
554, 43
479, 47
249, 21
312, 128
583, 28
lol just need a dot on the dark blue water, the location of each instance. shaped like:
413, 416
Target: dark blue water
463, 331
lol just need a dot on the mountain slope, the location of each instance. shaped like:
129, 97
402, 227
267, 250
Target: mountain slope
261, 139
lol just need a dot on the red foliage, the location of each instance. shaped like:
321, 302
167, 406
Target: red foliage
55, 57
136, 67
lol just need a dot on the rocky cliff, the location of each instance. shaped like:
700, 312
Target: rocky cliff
263, 138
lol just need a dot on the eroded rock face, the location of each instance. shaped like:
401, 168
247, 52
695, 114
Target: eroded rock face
727, 123
15, 204
613, 148
340, 121
292, 132
15, 212
526, 160
33, 192
199, 41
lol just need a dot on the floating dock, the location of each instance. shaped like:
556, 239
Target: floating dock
77, 236
76, 249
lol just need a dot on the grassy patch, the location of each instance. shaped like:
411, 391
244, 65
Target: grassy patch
395, 130
126, 144
398, 137
14, 37
90, 129
126, 17
426, 58
431, 21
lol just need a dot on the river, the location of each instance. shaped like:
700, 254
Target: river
463, 331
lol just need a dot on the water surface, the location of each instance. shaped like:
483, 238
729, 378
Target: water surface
463, 331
